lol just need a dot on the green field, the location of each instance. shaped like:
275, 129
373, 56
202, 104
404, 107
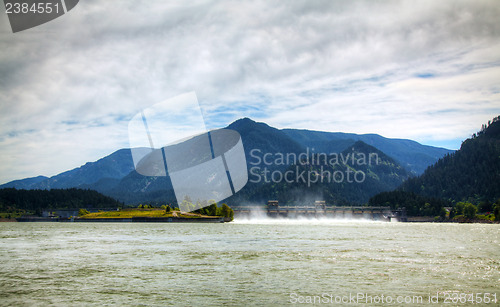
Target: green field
134, 212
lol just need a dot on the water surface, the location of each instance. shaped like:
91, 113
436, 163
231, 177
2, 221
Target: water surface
265, 262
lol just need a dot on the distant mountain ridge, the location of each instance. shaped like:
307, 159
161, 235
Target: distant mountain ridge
333, 178
114, 175
26, 184
114, 166
412, 155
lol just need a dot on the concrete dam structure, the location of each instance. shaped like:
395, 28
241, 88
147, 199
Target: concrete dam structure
320, 210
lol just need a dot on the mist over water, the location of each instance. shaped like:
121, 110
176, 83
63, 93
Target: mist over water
303, 221
259, 218
258, 215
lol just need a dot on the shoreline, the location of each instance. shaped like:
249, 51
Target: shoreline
416, 219
423, 219
124, 220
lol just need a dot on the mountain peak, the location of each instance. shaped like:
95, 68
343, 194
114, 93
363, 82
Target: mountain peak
261, 136
362, 147
245, 123
244, 120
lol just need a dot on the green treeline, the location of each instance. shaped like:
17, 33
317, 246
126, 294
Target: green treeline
467, 180
471, 174
214, 210
416, 205
38, 200
209, 208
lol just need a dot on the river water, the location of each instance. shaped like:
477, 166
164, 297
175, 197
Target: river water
257, 262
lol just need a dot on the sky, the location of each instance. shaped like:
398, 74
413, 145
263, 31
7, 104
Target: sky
422, 70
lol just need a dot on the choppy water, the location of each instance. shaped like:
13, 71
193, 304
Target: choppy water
243, 263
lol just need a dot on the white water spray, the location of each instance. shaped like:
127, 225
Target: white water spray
258, 215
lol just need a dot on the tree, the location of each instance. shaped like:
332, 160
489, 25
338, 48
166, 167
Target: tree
212, 209
471, 172
187, 204
442, 213
452, 213
459, 208
496, 210
427, 209
168, 209
470, 211
485, 206
226, 211
39, 200
83, 212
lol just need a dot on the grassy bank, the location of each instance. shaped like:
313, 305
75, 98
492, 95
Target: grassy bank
135, 212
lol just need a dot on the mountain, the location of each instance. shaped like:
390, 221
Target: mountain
261, 138
135, 188
470, 174
27, 183
350, 177
114, 175
110, 168
413, 156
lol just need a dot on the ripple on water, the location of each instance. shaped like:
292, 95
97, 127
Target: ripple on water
236, 263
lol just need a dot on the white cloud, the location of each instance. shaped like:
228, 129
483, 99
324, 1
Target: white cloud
68, 87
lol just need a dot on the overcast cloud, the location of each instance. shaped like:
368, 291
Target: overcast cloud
423, 70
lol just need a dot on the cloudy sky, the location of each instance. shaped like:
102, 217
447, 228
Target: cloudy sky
423, 70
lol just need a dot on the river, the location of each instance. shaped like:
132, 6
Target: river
258, 262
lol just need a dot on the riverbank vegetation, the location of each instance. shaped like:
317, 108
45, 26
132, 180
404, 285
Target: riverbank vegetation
162, 211
438, 209
15, 203
462, 186
133, 212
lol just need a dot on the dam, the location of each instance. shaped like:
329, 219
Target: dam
320, 210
